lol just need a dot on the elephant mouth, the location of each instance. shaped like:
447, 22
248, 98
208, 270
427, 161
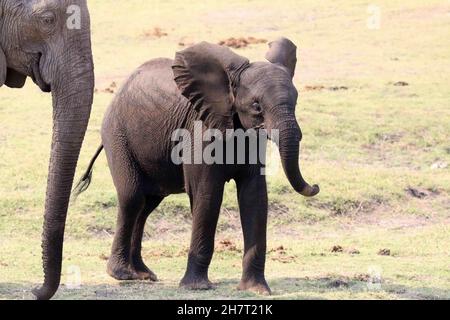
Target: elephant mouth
36, 76
261, 126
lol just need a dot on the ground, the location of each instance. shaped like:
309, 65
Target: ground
374, 109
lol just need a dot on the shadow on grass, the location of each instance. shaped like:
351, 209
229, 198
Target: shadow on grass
293, 287
283, 288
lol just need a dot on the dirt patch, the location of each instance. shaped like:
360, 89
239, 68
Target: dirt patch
389, 220
241, 42
384, 252
227, 246
389, 137
155, 33
332, 281
420, 193
341, 88
280, 254
346, 207
400, 84
363, 277
352, 251
280, 249
343, 281
321, 88
340, 249
278, 209
338, 283
314, 88
321, 254
110, 89
337, 249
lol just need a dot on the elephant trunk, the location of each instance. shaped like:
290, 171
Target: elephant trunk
72, 101
288, 140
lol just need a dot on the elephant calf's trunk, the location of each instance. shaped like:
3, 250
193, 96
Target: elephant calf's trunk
296, 180
289, 145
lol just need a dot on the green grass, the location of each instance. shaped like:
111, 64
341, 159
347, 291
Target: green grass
365, 146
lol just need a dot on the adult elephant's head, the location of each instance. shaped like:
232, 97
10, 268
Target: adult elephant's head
221, 84
49, 41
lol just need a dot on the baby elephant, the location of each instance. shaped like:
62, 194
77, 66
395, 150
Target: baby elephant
207, 86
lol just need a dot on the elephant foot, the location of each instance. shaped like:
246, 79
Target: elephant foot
256, 286
196, 283
128, 272
122, 272
145, 273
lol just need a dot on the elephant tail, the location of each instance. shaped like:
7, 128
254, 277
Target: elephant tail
86, 179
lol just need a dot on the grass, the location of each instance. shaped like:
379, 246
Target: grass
379, 151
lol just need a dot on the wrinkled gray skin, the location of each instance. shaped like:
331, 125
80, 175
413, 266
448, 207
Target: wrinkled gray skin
36, 42
210, 83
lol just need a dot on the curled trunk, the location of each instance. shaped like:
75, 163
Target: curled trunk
288, 140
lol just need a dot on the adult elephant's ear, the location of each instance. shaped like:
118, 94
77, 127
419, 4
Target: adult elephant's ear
3, 68
283, 52
207, 74
10, 77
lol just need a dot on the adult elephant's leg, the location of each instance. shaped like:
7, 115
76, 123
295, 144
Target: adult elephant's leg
252, 197
139, 266
205, 190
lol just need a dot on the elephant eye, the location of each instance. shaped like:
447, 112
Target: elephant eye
48, 19
256, 106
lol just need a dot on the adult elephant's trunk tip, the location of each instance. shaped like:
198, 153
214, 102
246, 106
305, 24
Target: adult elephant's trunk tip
44, 292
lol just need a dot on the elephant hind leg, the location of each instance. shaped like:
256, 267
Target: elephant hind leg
119, 264
138, 264
127, 178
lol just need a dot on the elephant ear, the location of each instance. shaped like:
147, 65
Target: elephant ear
8, 76
283, 52
206, 75
3, 68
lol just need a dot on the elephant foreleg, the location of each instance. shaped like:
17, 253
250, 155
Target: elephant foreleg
206, 199
252, 197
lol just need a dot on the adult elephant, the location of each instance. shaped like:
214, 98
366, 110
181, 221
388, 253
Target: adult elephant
49, 41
